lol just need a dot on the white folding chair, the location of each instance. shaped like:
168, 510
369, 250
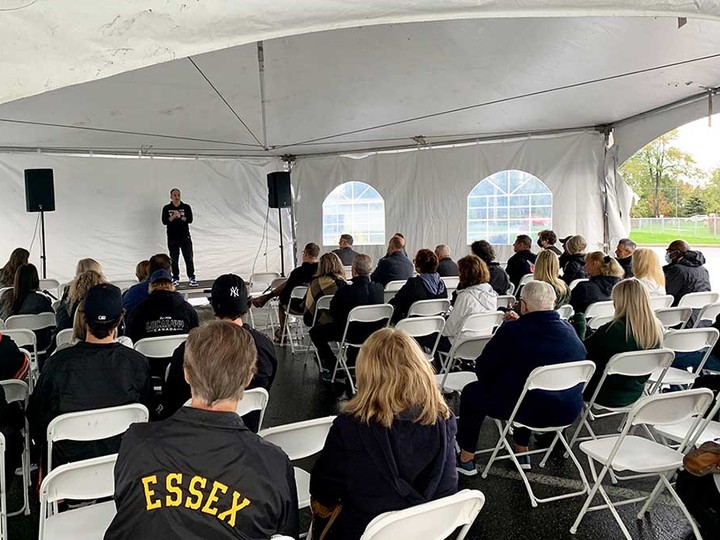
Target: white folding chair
26, 339
255, 399
434, 520
565, 311
392, 288
681, 341
575, 283
699, 300
626, 452
659, 302
708, 313
554, 378
429, 308
51, 286
292, 316
673, 316
708, 430
41, 321
482, 324
159, 349
18, 392
86, 480
505, 300
527, 278
63, 339
419, 327
260, 283
465, 348
596, 322
511, 289
627, 364
600, 309
321, 304
451, 283
300, 440
124, 340
347, 272
359, 315
93, 425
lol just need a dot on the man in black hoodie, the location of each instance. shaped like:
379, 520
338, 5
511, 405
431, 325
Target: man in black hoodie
684, 272
177, 217
523, 262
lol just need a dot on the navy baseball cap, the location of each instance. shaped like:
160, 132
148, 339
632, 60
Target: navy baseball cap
229, 293
160, 275
103, 303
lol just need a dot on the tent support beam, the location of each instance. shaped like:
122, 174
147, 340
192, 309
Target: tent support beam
669, 106
261, 74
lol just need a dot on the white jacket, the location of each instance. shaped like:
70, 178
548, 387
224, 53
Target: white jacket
653, 288
475, 299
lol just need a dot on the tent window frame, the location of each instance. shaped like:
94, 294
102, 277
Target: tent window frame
357, 208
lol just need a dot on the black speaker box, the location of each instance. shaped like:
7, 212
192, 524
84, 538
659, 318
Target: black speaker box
39, 190
279, 194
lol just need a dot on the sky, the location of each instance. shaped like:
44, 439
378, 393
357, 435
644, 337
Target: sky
701, 142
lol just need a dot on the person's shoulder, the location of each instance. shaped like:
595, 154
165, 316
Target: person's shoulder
258, 337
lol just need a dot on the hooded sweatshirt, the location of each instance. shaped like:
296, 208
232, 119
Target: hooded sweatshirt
596, 289
163, 313
474, 299
371, 469
421, 287
686, 275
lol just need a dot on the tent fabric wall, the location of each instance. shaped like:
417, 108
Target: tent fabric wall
426, 191
109, 209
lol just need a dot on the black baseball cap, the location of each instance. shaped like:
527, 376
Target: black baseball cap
564, 240
103, 303
160, 275
229, 294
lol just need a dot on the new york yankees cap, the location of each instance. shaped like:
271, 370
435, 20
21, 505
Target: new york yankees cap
229, 293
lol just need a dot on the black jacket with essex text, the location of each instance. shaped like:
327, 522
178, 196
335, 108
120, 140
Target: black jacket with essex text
177, 229
202, 475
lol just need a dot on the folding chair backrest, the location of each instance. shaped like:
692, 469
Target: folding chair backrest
300, 439
255, 399
15, 391
81, 480
566, 311
708, 313
31, 322
298, 293
377, 313
434, 520
392, 288
451, 282
482, 324
559, 377
691, 340
52, 286
527, 278
124, 340
600, 309
429, 308
422, 326
261, 281
64, 338
597, 322
575, 283
159, 347
698, 300
670, 407
505, 300
322, 303
22, 337
639, 363
469, 348
659, 302
511, 289
674, 316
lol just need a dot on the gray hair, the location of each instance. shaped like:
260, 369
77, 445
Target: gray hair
627, 244
442, 251
363, 264
576, 244
539, 296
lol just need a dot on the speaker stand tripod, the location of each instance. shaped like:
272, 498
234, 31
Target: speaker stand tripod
282, 244
43, 255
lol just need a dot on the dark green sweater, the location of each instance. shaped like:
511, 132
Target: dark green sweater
603, 344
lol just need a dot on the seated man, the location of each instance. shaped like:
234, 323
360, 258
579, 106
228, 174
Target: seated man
345, 250
623, 253
137, 294
13, 363
229, 300
395, 266
93, 374
684, 272
361, 292
446, 266
201, 473
299, 277
547, 240
538, 338
522, 262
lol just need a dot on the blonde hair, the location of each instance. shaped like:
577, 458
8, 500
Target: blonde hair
81, 285
646, 264
79, 324
393, 376
576, 244
83, 265
330, 265
547, 269
632, 303
608, 265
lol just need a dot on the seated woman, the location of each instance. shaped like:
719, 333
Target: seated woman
390, 448
574, 267
499, 279
605, 272
329, 278
547, 269
634, 328
18, 257
646, 267
76, 295
427, 285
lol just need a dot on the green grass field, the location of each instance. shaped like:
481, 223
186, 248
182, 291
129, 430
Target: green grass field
701, 238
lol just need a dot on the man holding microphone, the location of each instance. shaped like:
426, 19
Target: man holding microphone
177, 217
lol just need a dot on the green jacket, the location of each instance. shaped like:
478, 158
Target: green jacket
603, 344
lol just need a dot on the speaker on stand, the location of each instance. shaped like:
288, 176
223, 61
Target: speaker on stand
280, 196
40, 197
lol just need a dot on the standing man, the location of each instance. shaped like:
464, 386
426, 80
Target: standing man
177, 217
624, 252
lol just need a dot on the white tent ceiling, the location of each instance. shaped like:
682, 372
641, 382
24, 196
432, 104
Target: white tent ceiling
343, 90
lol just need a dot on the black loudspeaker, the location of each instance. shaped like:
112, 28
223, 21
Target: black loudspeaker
39, 190
279, 195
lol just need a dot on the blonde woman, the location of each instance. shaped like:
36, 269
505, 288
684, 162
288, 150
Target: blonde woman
547, 269
574, 267
391, 447
646, 268
75, 295
605, 272
329, 277
634, 328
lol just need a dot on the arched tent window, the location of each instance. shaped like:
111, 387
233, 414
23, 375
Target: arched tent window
506, 204
355, 208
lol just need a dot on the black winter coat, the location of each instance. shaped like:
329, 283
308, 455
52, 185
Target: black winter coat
393, 267
574, 268
499, 279
414, 290
519, 265
597, 289
686, 275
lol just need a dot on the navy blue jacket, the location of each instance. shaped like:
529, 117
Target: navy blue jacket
371, 469
135, 295
540, 338
393, 267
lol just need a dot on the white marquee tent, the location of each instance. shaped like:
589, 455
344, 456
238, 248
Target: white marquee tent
421, 99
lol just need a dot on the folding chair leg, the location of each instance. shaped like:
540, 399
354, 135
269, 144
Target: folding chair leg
657, 490
682, 506
549, 451
591, 495
497, 447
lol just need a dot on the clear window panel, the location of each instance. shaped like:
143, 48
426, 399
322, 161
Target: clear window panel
355, 208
